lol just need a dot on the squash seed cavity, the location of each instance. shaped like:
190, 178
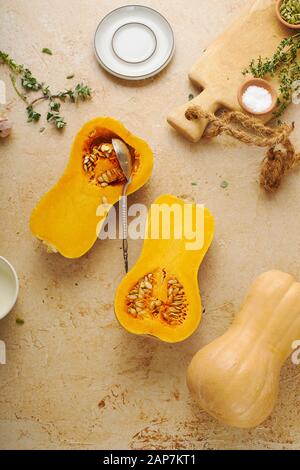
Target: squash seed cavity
158, 296
101, 165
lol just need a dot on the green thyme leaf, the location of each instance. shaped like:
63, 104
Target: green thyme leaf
46, 50
20, 321
14, 67
32, 115
82, 91
29, 82
57, 120
69, 77
54, 105
46, 91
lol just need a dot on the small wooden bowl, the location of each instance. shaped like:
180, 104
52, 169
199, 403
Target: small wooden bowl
262, 84
285, 23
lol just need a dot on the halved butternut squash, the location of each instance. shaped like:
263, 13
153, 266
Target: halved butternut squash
160, 295
66, 218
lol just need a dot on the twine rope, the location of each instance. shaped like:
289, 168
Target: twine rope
281, 155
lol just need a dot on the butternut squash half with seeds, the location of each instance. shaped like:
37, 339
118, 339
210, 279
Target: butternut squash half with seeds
160, 295
236, 377
66, 218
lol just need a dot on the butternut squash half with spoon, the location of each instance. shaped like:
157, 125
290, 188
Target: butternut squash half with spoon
66, 218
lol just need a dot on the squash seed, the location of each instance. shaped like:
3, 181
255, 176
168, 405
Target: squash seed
105, 148
141, 302
132, 311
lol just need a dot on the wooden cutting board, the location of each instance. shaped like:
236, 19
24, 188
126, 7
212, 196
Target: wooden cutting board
219, 71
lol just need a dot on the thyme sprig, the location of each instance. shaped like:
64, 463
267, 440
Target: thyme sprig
285, 65
29, 83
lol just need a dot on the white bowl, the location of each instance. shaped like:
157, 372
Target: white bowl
134, 42
9, 287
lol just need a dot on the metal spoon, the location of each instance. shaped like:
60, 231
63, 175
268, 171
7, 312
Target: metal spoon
125, 161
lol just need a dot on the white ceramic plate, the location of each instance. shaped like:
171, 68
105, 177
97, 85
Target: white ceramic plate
134, 42
9, 287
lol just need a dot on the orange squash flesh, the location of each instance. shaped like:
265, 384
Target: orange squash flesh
165, 260
65, 218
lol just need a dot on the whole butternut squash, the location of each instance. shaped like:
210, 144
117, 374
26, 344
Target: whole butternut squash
236, 377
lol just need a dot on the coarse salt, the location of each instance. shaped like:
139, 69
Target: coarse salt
257, 99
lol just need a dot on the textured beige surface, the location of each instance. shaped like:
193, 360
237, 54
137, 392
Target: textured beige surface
74, 378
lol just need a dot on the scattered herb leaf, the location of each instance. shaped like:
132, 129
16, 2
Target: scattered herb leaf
42, 129
20, 321
224, 184
194, 184
70, 76
46, 50
191, 96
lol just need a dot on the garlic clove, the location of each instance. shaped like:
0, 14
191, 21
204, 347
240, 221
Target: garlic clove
5, 127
